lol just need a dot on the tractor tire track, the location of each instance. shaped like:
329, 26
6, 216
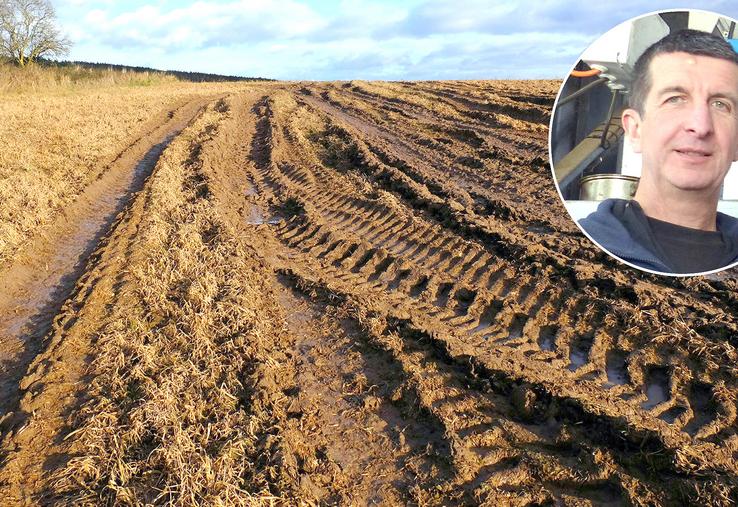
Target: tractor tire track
521, 323
414, 329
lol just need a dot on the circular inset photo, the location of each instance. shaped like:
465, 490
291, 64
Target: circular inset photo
643, 142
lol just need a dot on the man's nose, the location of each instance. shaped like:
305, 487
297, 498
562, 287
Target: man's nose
699, 120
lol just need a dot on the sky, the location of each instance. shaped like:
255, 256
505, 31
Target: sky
349, 39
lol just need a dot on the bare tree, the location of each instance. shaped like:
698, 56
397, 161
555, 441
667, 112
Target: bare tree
28, 31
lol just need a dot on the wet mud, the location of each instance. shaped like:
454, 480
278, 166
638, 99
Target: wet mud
415, 317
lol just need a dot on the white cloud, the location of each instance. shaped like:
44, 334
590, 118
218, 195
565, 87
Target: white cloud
346, 39
199, 24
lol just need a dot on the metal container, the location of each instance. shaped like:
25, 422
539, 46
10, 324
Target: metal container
598, 187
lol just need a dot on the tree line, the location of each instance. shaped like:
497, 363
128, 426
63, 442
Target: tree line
28, 31
196, 77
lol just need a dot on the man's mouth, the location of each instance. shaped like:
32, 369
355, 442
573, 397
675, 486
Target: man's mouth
693, 153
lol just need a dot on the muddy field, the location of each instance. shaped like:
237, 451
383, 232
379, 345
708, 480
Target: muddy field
355, 293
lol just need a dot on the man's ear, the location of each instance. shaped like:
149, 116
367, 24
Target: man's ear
632, 125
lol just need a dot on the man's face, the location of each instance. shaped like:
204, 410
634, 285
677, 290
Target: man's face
688, 131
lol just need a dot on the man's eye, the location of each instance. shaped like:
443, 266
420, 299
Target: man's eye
721, 105
676, 99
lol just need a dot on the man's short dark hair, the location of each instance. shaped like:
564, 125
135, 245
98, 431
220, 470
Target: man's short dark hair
689, 41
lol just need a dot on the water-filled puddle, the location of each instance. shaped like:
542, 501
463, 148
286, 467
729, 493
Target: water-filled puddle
657, 387
256, 217
703, 406
547, 337
579, 351
616, 367
539, 228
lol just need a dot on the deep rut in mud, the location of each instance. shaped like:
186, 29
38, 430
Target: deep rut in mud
34, 286
402, 313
